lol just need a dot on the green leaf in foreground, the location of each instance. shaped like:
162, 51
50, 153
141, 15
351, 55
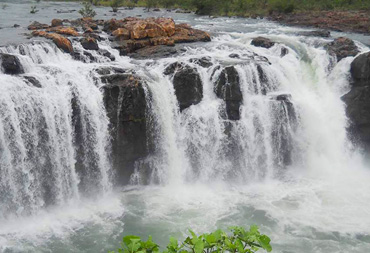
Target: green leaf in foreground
239, 240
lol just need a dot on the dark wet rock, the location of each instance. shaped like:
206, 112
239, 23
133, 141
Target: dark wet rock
89, 43
262, 42
227, 87
156, 9
187, 83
188, 87
84, 56
56, 22
235, 56
107, 54
33, 81
10, 64
360, 70
94, 36
358, 108
342, 47
358, 102
173, 67
284, 51
155, 52
204, 62
16, 25
318, 33
37, 26
109, 70
125, 102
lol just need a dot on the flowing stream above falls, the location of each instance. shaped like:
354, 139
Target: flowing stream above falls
264, 144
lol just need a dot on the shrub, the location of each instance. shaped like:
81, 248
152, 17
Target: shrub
239, 240
115, 4
87, 11
282, 6
33, 10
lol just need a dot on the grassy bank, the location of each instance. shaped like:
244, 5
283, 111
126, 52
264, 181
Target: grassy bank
243, 7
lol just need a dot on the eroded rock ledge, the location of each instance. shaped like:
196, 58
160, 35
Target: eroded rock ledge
127, 35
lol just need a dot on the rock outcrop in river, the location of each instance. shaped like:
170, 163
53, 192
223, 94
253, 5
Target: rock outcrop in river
127, 35
358, 101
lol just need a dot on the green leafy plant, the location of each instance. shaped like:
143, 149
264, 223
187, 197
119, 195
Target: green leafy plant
33, 9
87, 11
239, 240
115, 4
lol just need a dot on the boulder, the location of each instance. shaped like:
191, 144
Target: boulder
56, 22
37, 26
89, 43
262, 42
61, 42
71, 31
168, 25
342, 47
154, 52
360, 70
357, 110
204, 62
358, 102
33, 81
10, 64
121, 34
187, 83
185, 34
107, 54
284, 51
125, 102
227, 87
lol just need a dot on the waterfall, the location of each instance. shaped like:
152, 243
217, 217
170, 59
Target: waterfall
257, 135
54, 140
283, 125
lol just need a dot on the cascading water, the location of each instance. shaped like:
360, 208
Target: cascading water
266, 143
44, 160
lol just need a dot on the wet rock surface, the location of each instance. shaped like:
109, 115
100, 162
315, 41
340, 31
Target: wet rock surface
262, 42
342, 47
10, 64
125, 102
227, 87
89, 43
187, 83
358, 102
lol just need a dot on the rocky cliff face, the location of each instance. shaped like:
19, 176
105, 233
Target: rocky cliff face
358, 101
125, 102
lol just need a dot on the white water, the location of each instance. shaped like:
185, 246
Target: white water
37, 138
201, 178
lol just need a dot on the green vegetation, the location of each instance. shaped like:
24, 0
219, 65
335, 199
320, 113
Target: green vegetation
242, 7
87, 11
115, 4
239, 240
33, 10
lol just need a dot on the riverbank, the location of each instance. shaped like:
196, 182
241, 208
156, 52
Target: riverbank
341, 21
